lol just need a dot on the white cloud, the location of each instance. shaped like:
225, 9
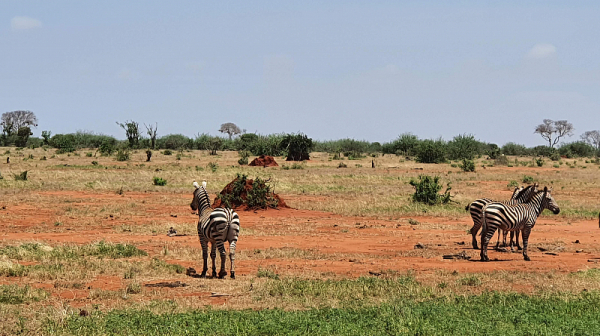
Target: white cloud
24, 23
541, 50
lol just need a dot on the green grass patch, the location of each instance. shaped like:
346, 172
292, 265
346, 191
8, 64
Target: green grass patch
40, 252
486, 314
14, 294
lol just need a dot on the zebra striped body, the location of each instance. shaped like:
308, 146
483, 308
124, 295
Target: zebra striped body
215, 226
514, 218
520, 195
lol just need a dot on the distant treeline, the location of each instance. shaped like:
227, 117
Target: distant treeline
463, 146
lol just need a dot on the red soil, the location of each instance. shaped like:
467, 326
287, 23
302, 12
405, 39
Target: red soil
264, 161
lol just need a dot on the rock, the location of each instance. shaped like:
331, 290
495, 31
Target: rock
542, 249
578, 251
551, 253
83, 312
190, 271
461, 256
419, 246
374, 273
576, 242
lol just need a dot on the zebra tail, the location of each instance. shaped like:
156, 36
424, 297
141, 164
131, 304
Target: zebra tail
483, 221
467, 207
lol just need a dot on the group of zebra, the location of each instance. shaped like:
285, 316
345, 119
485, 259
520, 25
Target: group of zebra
518, 214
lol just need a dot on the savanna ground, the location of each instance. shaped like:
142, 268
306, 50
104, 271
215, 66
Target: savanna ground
91, 239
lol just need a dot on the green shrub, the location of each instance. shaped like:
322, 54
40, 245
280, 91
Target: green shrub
556, 165
406, 144
555, 156
175, 142
539, 162
261, 196
512, 184
65, 143
213, 166
266, 273
512, 148
427, 190
21, 177
244, 154
107, 147
527, 179
431, 151
297, 146
464, 147
167, 152
342, 165
502, 160
122, 154
159, 181
297, 166
89, 154
467, 165
94, 163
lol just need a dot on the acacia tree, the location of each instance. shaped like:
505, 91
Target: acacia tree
132, 132
152, 134
552, 130
13, 121
230, 128
592, 138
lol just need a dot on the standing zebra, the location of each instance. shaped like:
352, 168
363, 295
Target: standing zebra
515, 217
520, 195
215, 226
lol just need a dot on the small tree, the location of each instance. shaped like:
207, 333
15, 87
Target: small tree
151, 131
46, 136
552, 130
427, 190
592, 138
132, 132
214, 145
463, 146
298, 146
22, 136
230, 129
431, 151
13, 121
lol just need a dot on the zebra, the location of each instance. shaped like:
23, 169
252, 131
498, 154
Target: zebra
520, 195
215, 226
515, 217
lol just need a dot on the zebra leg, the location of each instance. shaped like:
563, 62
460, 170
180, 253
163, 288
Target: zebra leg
204, 244
518, 246
511, 243
232, 238
474, 230
486, 236
223, 255
213, 256
504, 234
526, 232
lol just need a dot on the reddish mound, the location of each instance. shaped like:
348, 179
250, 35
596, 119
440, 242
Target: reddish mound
264, 161
241, 201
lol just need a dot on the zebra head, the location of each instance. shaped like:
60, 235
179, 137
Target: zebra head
516, 192
549, 202
525, 194
201, 200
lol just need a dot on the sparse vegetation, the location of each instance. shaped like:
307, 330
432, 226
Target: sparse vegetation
427, 190
159, 181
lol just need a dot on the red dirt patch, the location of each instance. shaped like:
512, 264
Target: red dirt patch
264, 161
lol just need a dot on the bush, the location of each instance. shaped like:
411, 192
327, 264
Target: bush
527, 179
167, 152
542, 151
431, 151
464, 147
297, 146
467, 165
406, 144
158, 181
244, 154
492, 151
577, 149
427, 190
539, 162
214, 145
65, 143
122, 154
213, 166
512, 184
342, 165
502, 160
261, 196
175, 142
512, 148
21, 177
107, 147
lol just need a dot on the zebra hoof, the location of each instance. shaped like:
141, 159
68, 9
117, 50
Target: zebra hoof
527, 258
232, 274
222, 274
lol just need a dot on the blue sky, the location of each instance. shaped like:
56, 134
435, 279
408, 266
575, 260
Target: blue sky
365, 70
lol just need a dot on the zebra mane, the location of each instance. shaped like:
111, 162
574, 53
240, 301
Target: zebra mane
524, 192
203, 199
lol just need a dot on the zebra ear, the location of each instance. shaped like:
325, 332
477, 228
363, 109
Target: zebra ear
204, 184
196, 185
545, 189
